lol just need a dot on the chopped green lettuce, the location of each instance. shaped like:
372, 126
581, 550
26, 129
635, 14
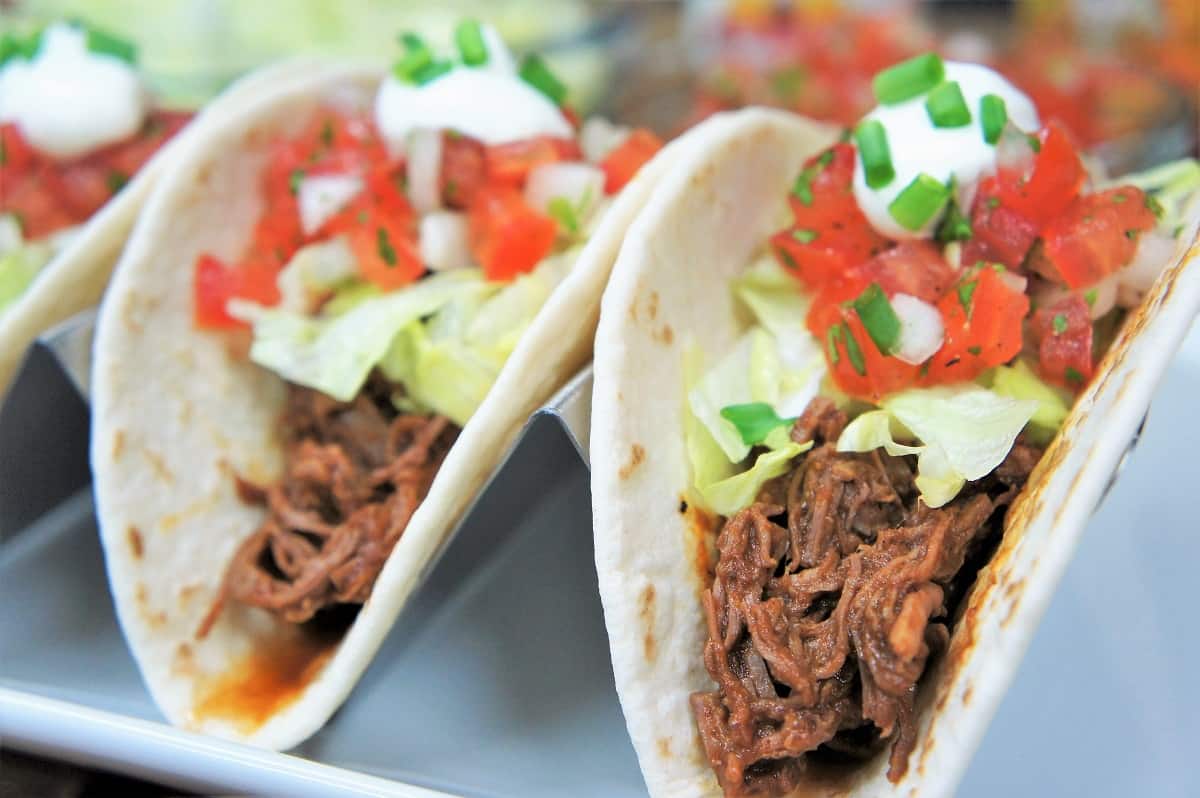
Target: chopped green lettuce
1020, 382
729, 495
1172, 186
20, 260
963, 431
313, 271
446, 377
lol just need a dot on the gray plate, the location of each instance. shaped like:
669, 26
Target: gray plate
496, 680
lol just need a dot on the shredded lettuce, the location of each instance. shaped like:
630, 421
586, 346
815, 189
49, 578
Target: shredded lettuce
964, 432
314, 270
1020, 382
1172, 185
20, 260
335, 354
737, 492
709, 462
445, 377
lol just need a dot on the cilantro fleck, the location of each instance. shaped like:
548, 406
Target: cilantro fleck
804, 235
327, 133
1060, 324
1154, 205
925, 368
787, 259
832, 336
294, 179
1119, 198
965, 293
1034, 142
116, 180
361, 217
1132, 234
802, 188
384, 244
853, 352
787, 83
1090, 297
975, 350
993, 202
1073, 376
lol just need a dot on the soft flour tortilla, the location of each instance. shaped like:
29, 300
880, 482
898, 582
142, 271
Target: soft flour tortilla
176, 415
670, 285
75, 279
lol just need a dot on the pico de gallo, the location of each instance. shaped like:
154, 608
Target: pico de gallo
398, 258
75, 126
952, 267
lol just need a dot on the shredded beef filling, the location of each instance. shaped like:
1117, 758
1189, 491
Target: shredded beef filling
830, 594
354, 475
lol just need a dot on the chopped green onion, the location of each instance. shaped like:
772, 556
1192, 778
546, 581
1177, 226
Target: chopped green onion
469, 38
878, 317
965, 292
802, 188
1034, 142
919, 202
417, 56
535, 72
294, 179
946, 106
804, 235
832, 336
104, 43
14, 46
384, 244
754, 421
993, 115
908, 78
1154, 205
1060, 323
956, 226
853, 352
563, 212
876, 156
431, 72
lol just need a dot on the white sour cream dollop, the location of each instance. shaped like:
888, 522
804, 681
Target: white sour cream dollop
490, 103
917, 146
68, 101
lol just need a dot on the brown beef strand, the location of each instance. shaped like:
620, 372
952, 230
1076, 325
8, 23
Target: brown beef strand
354, 474
830, 594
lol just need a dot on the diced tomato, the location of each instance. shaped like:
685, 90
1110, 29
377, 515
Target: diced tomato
857, 365
823, 193
622, 164
215, 283
18, 155
464, 169
1095, 237
982, 317
384, 243
999, 233
511, 163
916, 268
815, 258
1063, 333
508, 237
1054, 183
127, 157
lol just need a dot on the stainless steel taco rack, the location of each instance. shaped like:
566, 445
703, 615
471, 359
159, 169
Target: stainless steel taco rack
502, 653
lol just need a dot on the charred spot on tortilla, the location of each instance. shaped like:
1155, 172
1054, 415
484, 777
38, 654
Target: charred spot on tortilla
831, 595
637, 455
683, 506
134, 535
354, 474
664, 335
652, 306
118, 444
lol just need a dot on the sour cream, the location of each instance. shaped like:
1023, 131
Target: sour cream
489, 102
68, 101
917, 146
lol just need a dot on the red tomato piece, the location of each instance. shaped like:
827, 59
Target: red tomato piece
214, 283
1063, 333
508, 237
127, 157
464, 169
622, 164
857, 366
982, 318
1055, 182
1000, 234
916, 268
816, 258
511, 163
1095, 237
18, 155
823, 192
384, 246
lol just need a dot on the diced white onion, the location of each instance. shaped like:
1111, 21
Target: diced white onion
952, 253
1014, 281
10, 233
314, 270
1103, 296
1045, 294
424, 170
579, 183
322, 196
444, 240
598, 137
921, 331
1014, 153
1154, 251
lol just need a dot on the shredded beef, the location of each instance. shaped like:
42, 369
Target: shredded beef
354, 475
830, 594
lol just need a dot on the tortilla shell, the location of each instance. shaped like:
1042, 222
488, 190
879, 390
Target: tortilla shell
75, 279
176, 414
669, 287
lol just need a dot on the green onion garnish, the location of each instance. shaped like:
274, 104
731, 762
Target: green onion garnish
104, 43
14, 46
431, 72
908, 78
754, 421
993, 114
946, 106
384, 244
876, 156
919, 202
804, 235
802, 188
1060, 323
881, 321
535, 72
853, 352
469, 38
955, 227
417, 56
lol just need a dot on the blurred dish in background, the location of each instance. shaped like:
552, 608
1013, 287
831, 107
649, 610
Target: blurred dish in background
1119, 81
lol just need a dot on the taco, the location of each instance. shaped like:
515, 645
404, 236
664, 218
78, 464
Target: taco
81, 140
859, 397
335, 313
